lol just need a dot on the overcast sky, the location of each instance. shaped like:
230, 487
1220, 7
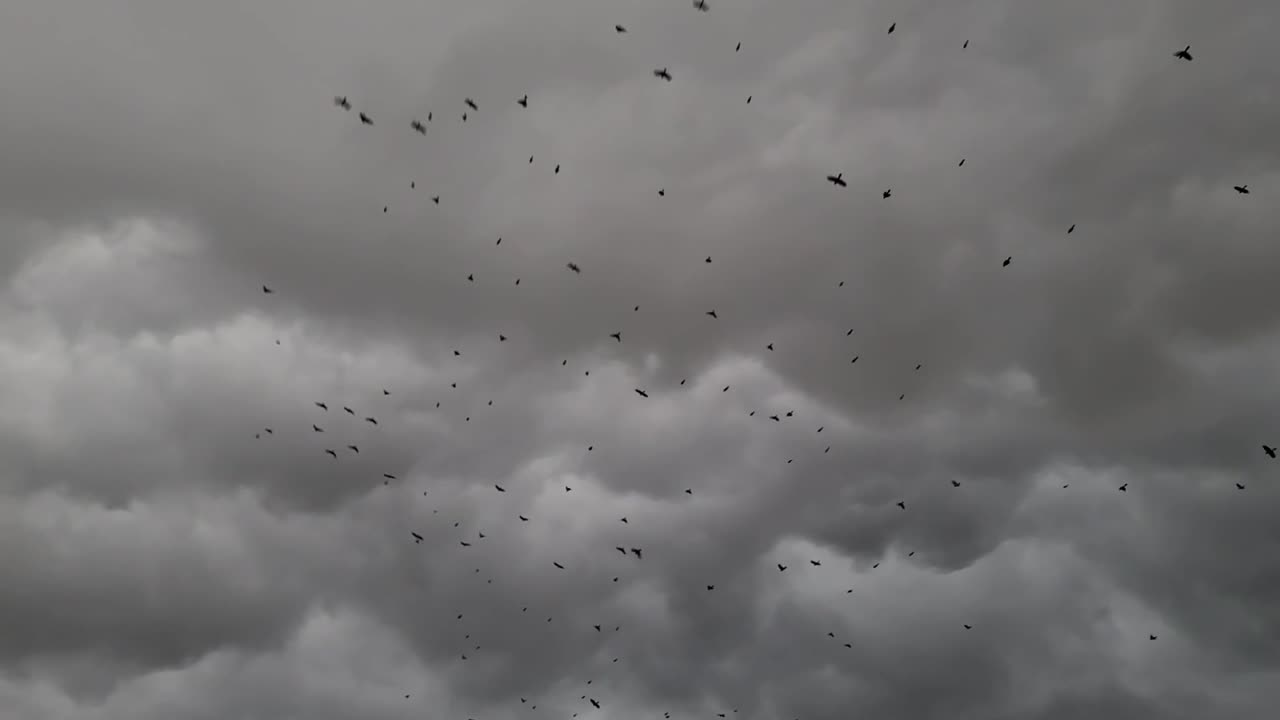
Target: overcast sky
1099, 401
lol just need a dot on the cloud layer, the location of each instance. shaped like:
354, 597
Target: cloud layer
1033, 490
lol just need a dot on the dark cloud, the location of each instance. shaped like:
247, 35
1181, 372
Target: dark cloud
168, 557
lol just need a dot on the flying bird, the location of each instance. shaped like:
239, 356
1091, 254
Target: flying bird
1184, 54
418, 127
471, 104
642, 393
892, 27
365, 119
499, 488
1270, 451
700, 5
738, 47
1242, 189
342, 102
619, 29
417, 539
837, 179
330, 452
662, 73
267, 291
616, 336
524, 101
638, 553
574, 267
887, 194
1007, 261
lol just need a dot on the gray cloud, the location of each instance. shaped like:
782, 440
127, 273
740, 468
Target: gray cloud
167, 557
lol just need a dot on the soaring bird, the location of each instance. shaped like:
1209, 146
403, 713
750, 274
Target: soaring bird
471, 104
1242, 189
887, 194
711, 313
1184, 54
700, 5
837, 179
574, 267
418, 127
417, 539
1270, 451
499, 488
1007, 261
892, 27
266, 290
322, 406
524, 101
642, 393
365, 119
616, 336
342, 102
619, 29
330, 452
662, 73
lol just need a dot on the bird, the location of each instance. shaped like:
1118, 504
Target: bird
524, 101
267, 291
961, 163
616, 336
815, 563
499, 488
417, 539
558, 565
892, 27
435, 199
322, 406
354, 449
418, 127
711, 313
837, 180
1270, 451
389, 476
317, 428
371, 421
365, 119
1007, 261
471, 104
574, 267
621, 550
1242, 189
700, 5
619, 29
662, 73
523, 518
642, 393
331, 452
782, 568
1071, 229
342, 102
887, 194
965, 46
737, 47
1184, 54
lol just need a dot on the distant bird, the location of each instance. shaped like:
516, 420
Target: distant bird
557, 170
955, 483
712, 313
662, 192
662, 73
317, 428
354, 449
1124, 488
892, 27
887, 194
435, 199
616, 336
815, 563
1184, 54
417, 539
1242, 189
1071, 229
465, 543
619, 29
371, 421
1007, 261
365, 119
574, 267
266, 290
965, 46
738, 47
642, 393
837, 179
968, 627
499, 488
961, 163
523, 518
700, 5
524, 101
594, 703
330, 452
782, 568
389, 476
558, 565
638, 553
471, 104
418, 127
1270, 451
385, 392
342, 102
902, 504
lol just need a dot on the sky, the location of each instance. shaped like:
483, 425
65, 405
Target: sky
1032, 490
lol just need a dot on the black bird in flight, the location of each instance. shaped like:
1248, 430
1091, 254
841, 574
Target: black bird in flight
317, 428
349, 410
638, 553
616, 336
621, 550
892, 27
524, 101
266, 290
574, 267
354, 449
465, 543
418, 127
1071, 229
417, 539
642, 393
558, 565
1270, 451
712, 313
389, 476
965, 46
365, 119
700, 5
371, 421
902, 504
594, 703
738, 47
523, 518
961, 163
1184, 54
815, 563
342, 102
619, 29
837, 179
334, 454
662, 73
1242, 189
782, 568
1007, 261
471, 104
499, 488
887, 194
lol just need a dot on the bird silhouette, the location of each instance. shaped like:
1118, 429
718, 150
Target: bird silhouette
837, 180
1185, 54
342, 102
1242, 189
523, 101
365, 119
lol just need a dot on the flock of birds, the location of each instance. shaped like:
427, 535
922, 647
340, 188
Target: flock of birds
333, 449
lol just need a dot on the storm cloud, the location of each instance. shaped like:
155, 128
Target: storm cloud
1022, 491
